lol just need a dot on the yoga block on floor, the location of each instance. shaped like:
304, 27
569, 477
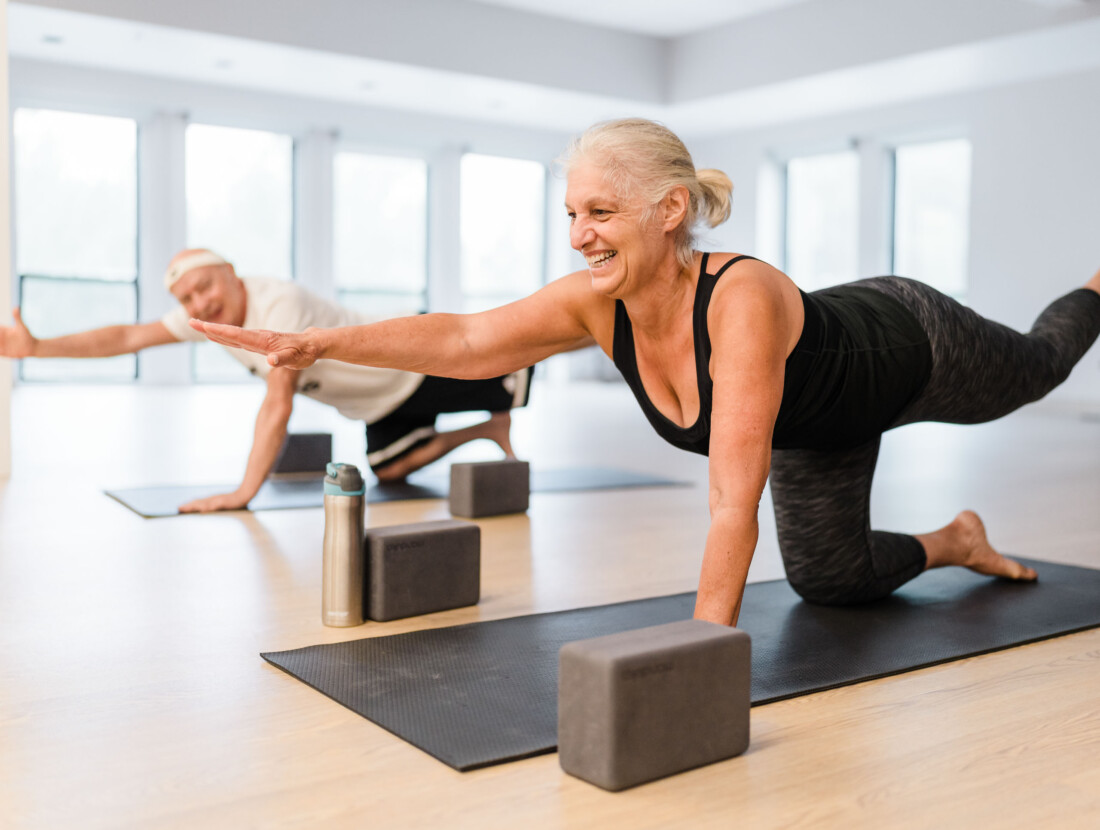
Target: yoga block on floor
304, 452
643, 704
490, 488
420, 568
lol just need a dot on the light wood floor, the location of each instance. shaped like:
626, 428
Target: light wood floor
132, 693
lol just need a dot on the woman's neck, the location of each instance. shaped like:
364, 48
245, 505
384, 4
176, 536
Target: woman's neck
659, 304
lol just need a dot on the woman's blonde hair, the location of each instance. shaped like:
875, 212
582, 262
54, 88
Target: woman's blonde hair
644, 160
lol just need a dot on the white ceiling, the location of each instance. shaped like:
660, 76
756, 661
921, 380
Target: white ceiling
815, 76
661, 18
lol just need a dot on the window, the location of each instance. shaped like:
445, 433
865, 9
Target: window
380, 233
240, 199
931, 213
822, 227
75, 233
503, 229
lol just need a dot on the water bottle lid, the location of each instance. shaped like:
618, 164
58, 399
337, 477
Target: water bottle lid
343, 480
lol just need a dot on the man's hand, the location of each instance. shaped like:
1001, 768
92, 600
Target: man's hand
211, 504
17, 341
291, 351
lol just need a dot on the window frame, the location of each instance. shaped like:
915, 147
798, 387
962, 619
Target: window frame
892, 246
134, 281
493, 299
362, 149
783, 162
231, 376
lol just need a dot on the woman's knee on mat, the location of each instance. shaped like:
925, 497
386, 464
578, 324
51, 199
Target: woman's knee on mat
850, 575
816, 592
821, 582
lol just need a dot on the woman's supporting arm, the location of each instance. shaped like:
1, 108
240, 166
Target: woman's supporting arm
750, 335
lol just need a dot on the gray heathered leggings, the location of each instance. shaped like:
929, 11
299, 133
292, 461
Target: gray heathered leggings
981, 370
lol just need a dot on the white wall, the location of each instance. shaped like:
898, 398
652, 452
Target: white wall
470, 38
5, 245
1035, 209
814, 39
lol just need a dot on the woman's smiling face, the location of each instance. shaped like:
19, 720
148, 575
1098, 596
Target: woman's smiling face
616, 241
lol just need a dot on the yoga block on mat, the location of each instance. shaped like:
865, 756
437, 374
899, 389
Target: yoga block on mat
420, 568
490, 488
643, 704
304, 452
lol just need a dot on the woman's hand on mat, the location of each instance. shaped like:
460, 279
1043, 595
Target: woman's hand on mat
16, 341
292, 351
212, 504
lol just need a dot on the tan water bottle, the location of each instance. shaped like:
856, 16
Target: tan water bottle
342, 568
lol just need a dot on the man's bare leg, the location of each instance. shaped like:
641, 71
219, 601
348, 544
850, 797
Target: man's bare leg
964, 542
497, 429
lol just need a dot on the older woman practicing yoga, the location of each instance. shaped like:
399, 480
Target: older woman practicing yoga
728, 358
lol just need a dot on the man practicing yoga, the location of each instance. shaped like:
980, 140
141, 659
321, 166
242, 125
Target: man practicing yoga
399, 407
728, 358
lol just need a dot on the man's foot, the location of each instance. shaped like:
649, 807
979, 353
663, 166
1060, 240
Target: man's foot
390, 475
499, 429
964, 542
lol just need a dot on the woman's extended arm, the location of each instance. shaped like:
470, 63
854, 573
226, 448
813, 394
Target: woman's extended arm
750, 334
555, 319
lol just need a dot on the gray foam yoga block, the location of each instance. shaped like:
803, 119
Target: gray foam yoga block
490, 488
420, 568
304, 452
643, 704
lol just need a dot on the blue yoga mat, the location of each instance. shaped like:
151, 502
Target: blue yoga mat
280, 493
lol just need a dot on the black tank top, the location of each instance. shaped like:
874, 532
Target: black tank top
861, 359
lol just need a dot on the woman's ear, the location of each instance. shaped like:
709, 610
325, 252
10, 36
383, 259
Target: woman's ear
675, 207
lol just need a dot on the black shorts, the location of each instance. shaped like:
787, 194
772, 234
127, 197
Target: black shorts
413, 422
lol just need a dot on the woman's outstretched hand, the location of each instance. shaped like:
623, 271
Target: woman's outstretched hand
293, 351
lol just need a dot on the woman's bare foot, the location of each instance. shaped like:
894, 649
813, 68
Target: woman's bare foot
964, 542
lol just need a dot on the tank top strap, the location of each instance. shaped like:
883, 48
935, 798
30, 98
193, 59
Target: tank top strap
703, 292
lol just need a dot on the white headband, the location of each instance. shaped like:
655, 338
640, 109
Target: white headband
199, 259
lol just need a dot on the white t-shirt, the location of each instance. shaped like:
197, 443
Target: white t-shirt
359, 392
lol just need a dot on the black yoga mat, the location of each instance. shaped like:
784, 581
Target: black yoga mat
279, 493
486, 693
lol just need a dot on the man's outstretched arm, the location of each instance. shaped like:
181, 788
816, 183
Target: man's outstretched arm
16, 341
